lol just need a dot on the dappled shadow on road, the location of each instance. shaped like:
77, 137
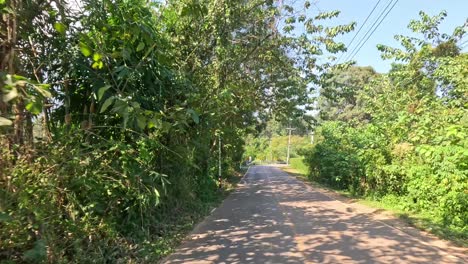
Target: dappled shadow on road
247, 228
274, 218
328, 231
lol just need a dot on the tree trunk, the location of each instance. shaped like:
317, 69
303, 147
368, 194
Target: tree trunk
18, 110
29, 132
7, 64
47, 135
67, 106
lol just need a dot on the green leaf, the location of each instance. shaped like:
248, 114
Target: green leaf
97, 65
290, 20
35, 107
140, 46
288, 28
38, 253
5, 122
43, 90
4, 217
11, 95
101, 91
151, 124
61, 28
120, 107
107, 103
8, 10
327, 15
195, 116
141, 121
97, 57
85, 49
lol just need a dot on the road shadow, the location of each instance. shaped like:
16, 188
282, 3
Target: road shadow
328, 231
247, 228
275, 218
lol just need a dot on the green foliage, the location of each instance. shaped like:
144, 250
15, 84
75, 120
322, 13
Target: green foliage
271, 144
113, 115
274, 149
299, 165
412, 145
94, 198
339, 94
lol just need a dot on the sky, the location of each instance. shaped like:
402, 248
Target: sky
395, 23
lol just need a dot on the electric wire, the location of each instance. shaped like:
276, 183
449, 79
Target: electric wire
372, 29
359, 30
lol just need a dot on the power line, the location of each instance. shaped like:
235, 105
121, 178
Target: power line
372, 29
463, 44
369, 29
359, 30
375, 28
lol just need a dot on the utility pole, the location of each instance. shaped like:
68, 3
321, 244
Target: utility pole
219, 160
289, 143
271, 151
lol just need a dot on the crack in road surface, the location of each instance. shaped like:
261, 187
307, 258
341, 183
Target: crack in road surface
274, 218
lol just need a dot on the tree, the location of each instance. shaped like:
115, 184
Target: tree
135, 95
411, 147
339, 95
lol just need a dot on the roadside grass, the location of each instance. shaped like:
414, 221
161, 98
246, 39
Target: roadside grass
298, 165
421, 220
168, 229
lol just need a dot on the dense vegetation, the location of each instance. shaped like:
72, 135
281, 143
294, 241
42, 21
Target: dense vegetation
118, 117
401, 136
271, 144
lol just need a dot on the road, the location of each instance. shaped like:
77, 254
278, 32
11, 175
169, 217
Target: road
275, 218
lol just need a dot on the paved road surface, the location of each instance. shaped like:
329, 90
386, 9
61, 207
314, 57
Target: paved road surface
275, 218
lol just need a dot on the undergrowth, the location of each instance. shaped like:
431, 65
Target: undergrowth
100, 202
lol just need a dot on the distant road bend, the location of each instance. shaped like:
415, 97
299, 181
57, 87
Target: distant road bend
274, 218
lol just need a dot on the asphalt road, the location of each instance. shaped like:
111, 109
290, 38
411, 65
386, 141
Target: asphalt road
274, 218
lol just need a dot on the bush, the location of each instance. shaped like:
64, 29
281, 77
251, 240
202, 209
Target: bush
429, 174
87, 202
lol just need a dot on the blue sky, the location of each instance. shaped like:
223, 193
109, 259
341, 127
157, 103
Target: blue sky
395, 23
